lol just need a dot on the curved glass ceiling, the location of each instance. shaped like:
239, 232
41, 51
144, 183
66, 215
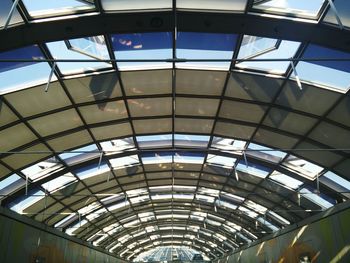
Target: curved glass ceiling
191, 142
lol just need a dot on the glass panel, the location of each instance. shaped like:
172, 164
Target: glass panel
57, 7
316, 198
154, 141
10, 184
94, 88
253, 87
188, 157
289, 121
248, 112
336, 183
196, 107
193, 125
278, 218
90, 48
265, 153
147, 82
200, 82
33, 101
332, 135
285, 180
343, 9
150, 107
205, 46
18, 75
253, 169
5, 7
234, 130
112, 131
26, 201
117, 146
304, 100
305, 9
122, 162
222, 161
6, 114
80, 155
142, 46
104, 112
302, 167
266, 48
265, 222
228, 144
91, 170
43, 169
94, 47
229, 5
186, 140
116, 5
153, 126
57, 122
59, 182
16, 136
332, 74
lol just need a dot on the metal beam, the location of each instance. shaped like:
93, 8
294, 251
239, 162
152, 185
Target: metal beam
97, 24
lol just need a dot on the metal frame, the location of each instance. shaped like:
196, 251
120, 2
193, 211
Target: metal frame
173, 21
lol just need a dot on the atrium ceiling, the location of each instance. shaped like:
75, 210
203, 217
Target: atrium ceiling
136, 125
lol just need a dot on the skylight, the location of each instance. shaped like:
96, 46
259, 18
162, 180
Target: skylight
10, 184
219, 160
253, 47
336, 183
316, 198
285, 180
119, 5
59, 182
117, 146
5, 7
292, 8
228, 144
19, 75
332, 74
91, 48
142, 46
227, 5
38, 8
43, 169
80, 155
205, 46
302, 167
265, 153
253, 169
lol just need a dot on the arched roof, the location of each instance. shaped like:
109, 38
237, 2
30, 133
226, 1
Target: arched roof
204, 125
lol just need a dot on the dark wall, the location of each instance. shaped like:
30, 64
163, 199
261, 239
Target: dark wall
326, 239
21, 242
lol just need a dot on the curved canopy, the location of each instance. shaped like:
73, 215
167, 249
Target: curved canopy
138, 125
